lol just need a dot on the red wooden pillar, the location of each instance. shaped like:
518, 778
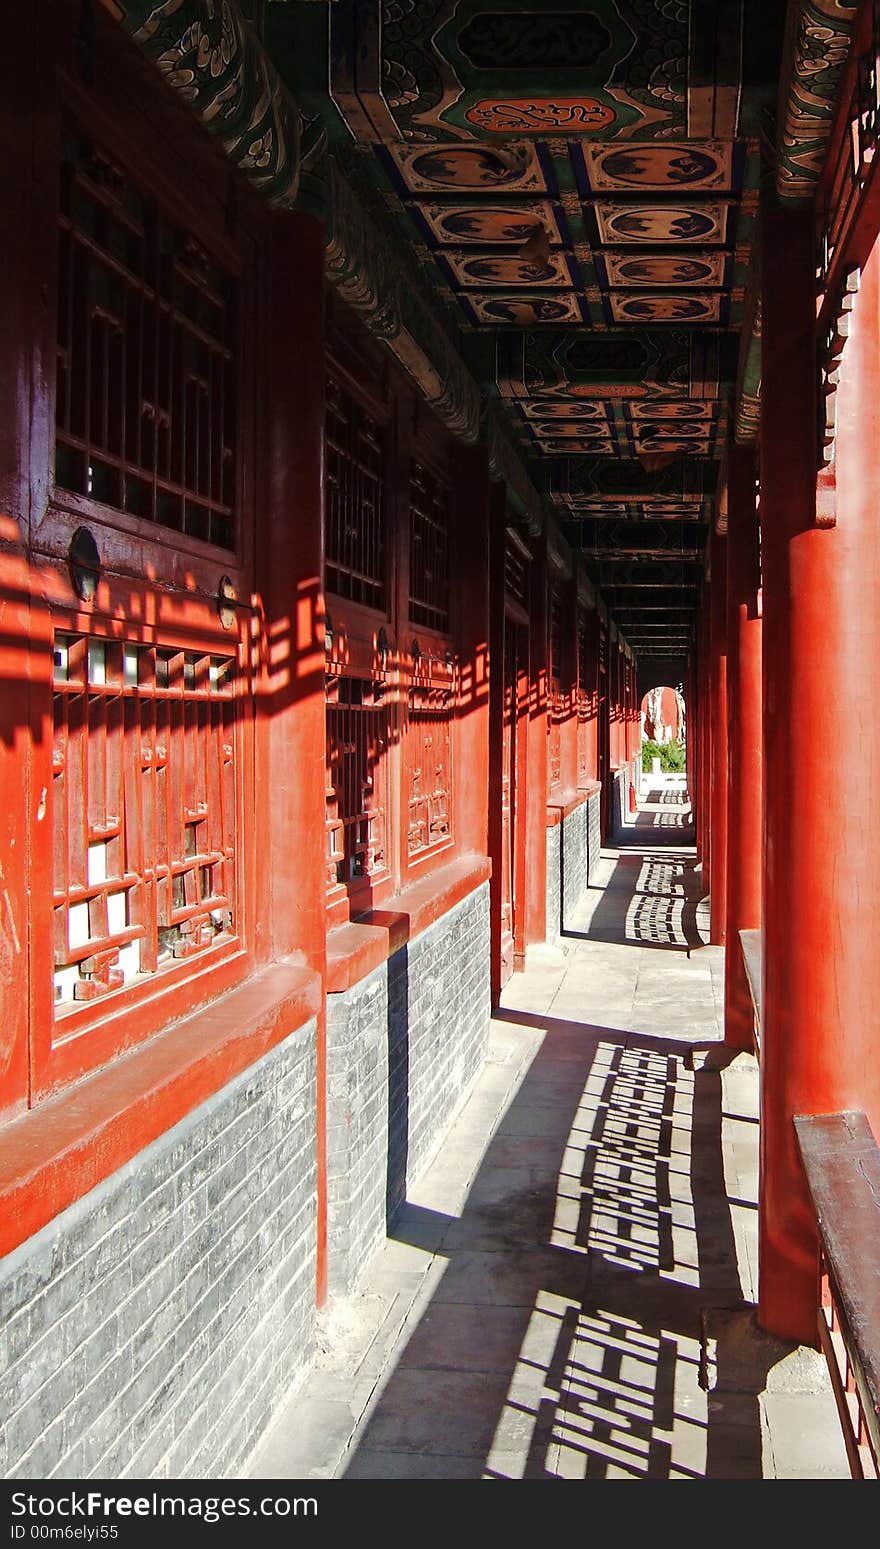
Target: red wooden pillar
497, 547
718, 802
25, 432
592, 688
613, 698
690, 772
706, 740
622, 700
472, 496
743, 741
702, 731
821, 677
289, 850
568, 686
536, 793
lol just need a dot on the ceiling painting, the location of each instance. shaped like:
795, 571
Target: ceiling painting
566, 409
512, 224
479, 269
659, 269
504, 311
442, 69
659, 168
472, 169
574, 185
665, 308
653, 222
674, 413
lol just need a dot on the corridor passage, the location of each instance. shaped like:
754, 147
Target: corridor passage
569, 1291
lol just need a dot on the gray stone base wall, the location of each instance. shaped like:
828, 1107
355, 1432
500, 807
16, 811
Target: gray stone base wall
623, 778
572, 849
403, 1046
554, 883
594, 833
152, 1328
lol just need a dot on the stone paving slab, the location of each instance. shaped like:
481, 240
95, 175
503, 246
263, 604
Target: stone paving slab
569, 1291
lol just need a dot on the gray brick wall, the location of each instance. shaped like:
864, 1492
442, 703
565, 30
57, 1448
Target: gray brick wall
151, 1329
553, 928
594, 833
623, 778
572, 848
403, 1046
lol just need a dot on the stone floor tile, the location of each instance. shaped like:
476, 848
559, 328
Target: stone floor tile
569, 1290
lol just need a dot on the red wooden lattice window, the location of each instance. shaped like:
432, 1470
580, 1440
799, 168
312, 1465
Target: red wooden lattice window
429, 550
146, 374
355, 536
357, 780
144, 810
428, 763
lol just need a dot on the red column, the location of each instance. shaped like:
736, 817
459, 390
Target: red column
536, 792
568, 741
614, 699
497, 545
702, 735
472, 493
718, 801
592, 750
821, 675
743, 741
690, 763
290, 862
26, 431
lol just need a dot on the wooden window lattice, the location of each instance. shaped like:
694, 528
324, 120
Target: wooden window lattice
144, 805
355, 509
146, 357
430, 702
429, 550
357, 779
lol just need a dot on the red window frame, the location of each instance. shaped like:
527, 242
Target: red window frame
404, 793
158, 591
361, 678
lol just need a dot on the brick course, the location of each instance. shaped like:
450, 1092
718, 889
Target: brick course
151, 1329
572, 849
403, 1046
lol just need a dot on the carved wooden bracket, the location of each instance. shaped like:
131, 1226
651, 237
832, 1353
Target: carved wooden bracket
830, 366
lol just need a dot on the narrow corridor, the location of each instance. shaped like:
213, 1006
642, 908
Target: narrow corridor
569, 1290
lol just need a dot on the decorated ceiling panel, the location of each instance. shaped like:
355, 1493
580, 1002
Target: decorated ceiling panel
572, 180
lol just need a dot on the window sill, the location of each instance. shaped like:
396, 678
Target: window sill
564, 805
354, 950
59, 1150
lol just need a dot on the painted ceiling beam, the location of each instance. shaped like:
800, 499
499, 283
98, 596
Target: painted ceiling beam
210, 55
819, 35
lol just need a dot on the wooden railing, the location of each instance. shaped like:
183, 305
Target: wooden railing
842, 1165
